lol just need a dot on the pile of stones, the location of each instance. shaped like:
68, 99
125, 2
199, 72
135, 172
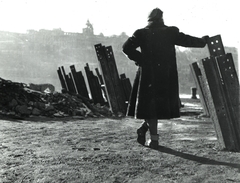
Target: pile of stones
19, 100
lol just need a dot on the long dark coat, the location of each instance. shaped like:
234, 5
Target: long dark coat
155, 93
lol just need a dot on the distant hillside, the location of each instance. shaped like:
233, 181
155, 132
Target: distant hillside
185, 58
34, 57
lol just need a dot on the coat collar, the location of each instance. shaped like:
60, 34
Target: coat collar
154, 24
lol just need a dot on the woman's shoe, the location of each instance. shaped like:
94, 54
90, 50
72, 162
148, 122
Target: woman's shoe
141, 139
154, 142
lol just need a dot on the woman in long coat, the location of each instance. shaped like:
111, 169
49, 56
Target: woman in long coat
155, 93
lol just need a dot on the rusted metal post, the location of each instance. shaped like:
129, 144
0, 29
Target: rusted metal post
194, 93
231, 90
79, 82
112, 99
127, 87
94, 86
101, 83
115, 79
215, 46
197, 78
62, 81
218, 108
72, 84
99, 76
73, 70
66, 78
221, 89
83, 88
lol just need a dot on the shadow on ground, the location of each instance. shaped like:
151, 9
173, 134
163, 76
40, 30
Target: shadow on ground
198, 159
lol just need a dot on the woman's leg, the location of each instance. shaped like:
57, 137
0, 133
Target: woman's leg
153, 128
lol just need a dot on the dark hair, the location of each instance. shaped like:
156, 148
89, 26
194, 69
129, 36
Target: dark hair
155, 14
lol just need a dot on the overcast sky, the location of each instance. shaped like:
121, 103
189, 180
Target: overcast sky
194, 17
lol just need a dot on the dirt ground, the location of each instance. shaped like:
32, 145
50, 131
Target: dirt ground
98, 150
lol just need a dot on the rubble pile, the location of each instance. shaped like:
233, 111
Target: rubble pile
17, 99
